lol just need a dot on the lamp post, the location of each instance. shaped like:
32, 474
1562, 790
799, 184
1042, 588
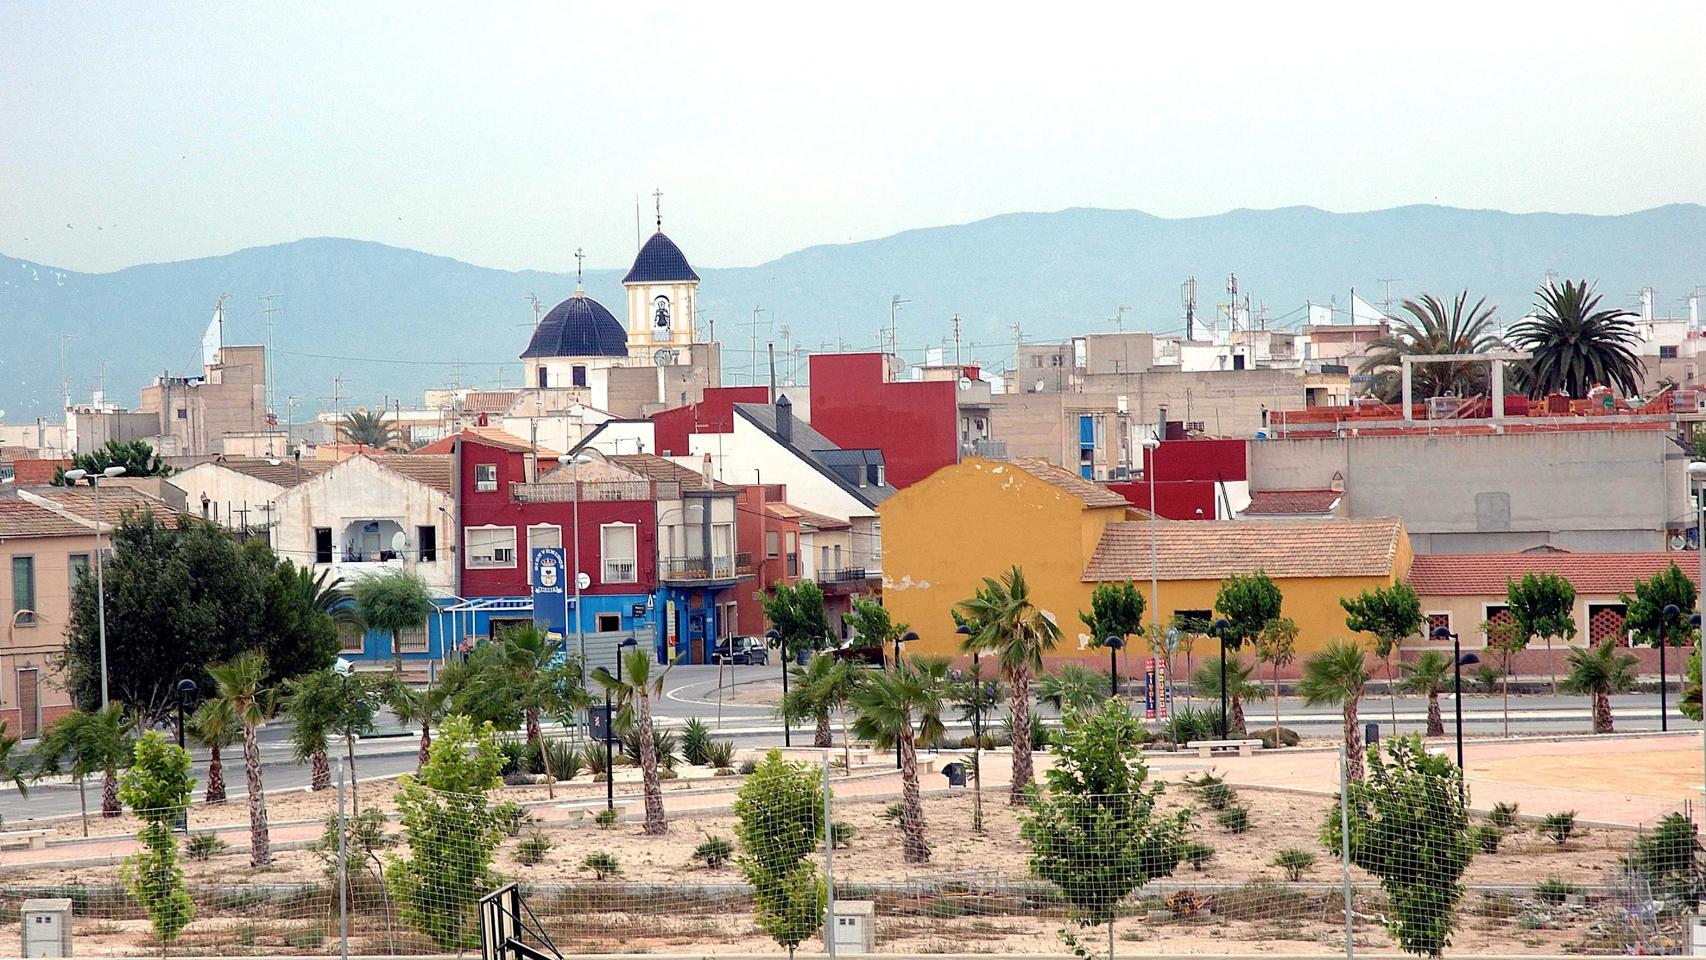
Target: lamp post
1670, 612
906, 637
1113, 644
774, 639
1221, 627
1459, 660
74, 477
186, 689
1152, 444
574, 461
610, 730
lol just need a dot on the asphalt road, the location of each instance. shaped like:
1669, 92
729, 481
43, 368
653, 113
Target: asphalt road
710, 693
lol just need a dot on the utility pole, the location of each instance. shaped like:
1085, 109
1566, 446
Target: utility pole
895, 303
752, 330
1119, 319
1188, 293
268, 309
957, 362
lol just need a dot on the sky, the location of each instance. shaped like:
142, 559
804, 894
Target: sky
509, 135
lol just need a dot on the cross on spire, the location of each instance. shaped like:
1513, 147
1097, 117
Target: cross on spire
579, 258
657, 200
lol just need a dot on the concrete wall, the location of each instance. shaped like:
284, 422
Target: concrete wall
1590, 491
359, 489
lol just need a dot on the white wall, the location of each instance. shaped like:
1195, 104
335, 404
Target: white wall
228, 492
360, 489
749, 455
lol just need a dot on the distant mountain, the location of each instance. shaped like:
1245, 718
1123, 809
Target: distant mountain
389, 321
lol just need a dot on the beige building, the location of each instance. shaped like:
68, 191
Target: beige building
223, 410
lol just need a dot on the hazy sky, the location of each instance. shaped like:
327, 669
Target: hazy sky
509, 134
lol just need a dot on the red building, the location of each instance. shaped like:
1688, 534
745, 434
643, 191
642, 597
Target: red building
769, 531
915, 423
1194, 479
714, 414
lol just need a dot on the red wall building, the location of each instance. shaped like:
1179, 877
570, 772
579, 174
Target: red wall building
1187, 477
714, 414
915, 423
769, 530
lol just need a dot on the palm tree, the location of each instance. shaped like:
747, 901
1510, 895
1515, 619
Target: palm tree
1599, 672
1008, 625
824, 686
1337, 675
1072, 688
1577, 345
328, 595
393, 602
524, 670
369, 430
418, 707
310, 704
1241, 685
238, 683
13, 767
90, 742
1434, 328
1430, 673
634, 693
901, 707
215, 728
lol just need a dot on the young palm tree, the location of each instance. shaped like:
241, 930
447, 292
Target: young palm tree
1577, 345
215, 728
1429, 673
392, 603
422, 708
1018, 633
87, 743
634, 693
1337, 675
903, 706
369, 430
1433, 327
1072, 688
523, 670
1599, 672
238, 684
328, 595
310, 704
1241, 685
821, 688
13, 765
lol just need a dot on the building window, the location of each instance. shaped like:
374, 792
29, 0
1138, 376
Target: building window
1607, 621
184, 414
543, 535
78, 567
352, 637
619, 547
23, 591
835, 564
1497, 615
544, 377
772, 544
723, 539
579, 374
793, 565
412, 640
609, 622
490, 546
823, 567
322, 544
485, 477
1667, 353
426, 538
1036, 360
1435, 621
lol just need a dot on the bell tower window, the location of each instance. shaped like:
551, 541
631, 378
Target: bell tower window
660, 317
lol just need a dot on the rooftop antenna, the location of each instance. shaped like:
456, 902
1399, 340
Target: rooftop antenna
957, 362
533, 298
895, 303
638, 238
268, 309
1119, 318
1387, 282
1188, 293
753, 329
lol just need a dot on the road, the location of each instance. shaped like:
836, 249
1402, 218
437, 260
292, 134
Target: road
723, 698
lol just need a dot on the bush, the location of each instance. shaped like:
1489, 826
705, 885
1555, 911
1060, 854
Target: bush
1668, 856
1557, 827
364, 837
1488, 677
518, 778
204, 846
1555, 891
778, 825
603, 865
714, 852
1196, 853
594, 757
1503, 815
720, 754
565, 757
511, 818
517, 757
1488, 837
841, 834
664, 742
696, 742
1218, 796
533, 849
1234, 819
1188, 723
1294, 862
893, 812
605, 818
1287, 738
1039, 733
748, 767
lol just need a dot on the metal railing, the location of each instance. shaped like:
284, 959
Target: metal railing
595, 490
698, 568
620, 571
743, 563
845, 575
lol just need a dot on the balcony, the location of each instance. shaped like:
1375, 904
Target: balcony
743, 564
699, 570
846, 580
592, 490
987, 449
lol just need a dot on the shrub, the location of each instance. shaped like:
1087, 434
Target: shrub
1188, 723
665, 742
605, 818
1039, 733
511, 818
778, 825
594, 757
841, 834
1555, 891
565, 757
1294, 862
1287, 738
603, 865
157, 788
893, 812
748, 767
1669, 857
1218, 796
1488, 837
516, 757
1234, 819
714, 852
696, 742
1196, 853
518, 778
533, 849
364, 837
204, 846
1503, 815
720, 754
1557, 827
1488, 677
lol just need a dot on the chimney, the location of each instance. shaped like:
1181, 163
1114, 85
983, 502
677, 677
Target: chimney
785, 419
706, 473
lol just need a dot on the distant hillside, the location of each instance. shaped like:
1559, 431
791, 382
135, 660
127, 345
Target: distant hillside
348, 303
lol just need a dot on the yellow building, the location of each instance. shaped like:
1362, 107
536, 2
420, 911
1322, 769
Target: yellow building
978, 518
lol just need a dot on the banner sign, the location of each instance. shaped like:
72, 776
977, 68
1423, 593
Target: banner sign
550, 590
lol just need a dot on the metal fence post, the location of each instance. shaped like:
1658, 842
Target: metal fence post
828, 865
1345, 849
343, 872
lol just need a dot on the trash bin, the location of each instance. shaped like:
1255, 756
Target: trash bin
956, 774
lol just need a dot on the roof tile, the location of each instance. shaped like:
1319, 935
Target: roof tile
1485, 574
1211, 549
1089, 493
1280, 502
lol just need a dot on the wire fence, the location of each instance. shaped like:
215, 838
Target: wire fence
756, 863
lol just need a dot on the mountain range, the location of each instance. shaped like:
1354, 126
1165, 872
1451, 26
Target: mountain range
390, 321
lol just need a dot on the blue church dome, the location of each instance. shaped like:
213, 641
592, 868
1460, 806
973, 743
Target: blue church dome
660, 261
578, 327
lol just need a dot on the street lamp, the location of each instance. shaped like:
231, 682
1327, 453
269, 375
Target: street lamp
774, 639
73, 477
575, 461
1670, 612
1221, 627
906, 637
186, 689
1459, 660
1113, 644
1153, 444
609, 731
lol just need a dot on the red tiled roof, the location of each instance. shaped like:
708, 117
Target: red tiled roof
434, 471
1089, 493
20, 518
1280, 502
1211, 549
116, 502
1484, 574
284, 473
653, 467
822, 522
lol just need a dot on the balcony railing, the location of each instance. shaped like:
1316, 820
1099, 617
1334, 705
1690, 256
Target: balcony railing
743, 564
595, 490
620, 571
988, 449
847, 575
698, 568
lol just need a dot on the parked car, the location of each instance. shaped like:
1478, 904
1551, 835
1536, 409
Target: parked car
855, 651
743, 650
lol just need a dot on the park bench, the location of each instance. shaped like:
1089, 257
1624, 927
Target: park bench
37, 839
1207, 748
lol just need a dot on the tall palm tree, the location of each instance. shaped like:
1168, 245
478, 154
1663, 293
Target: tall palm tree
902, 707
422, 708
239, 684
1241, 685
1072, 688
1577, 344
370, 430
1430, 673
634, 693
1433, 327
214, 727
820, 688
1338, 674
1018, 633
392, 603
1599, 672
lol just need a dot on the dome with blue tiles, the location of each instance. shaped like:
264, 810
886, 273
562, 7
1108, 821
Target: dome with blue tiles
578, 327
661, 261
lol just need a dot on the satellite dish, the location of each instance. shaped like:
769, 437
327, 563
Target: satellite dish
965, 383
398, 542
1039, 387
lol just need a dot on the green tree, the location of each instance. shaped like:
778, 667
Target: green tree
1096, 831
83, 744
779, 824
213, 726
822, 687
1116, 610
1189, 628
297, 635
1241, 685
1249, 604
1577, 344
1410, 828
633, 694
1433, 327
370, 430
392, 603
1337, 675
157, 789
1277, 646
797, 615
324, 704
14, 765
524, 673
903, 706
1541, 605
1598, 672
136, 457
1012, 627
240, 686
1072, 687
1390, 614
1690, 703
1644, 613
1431, 673
424, 708
452, 834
